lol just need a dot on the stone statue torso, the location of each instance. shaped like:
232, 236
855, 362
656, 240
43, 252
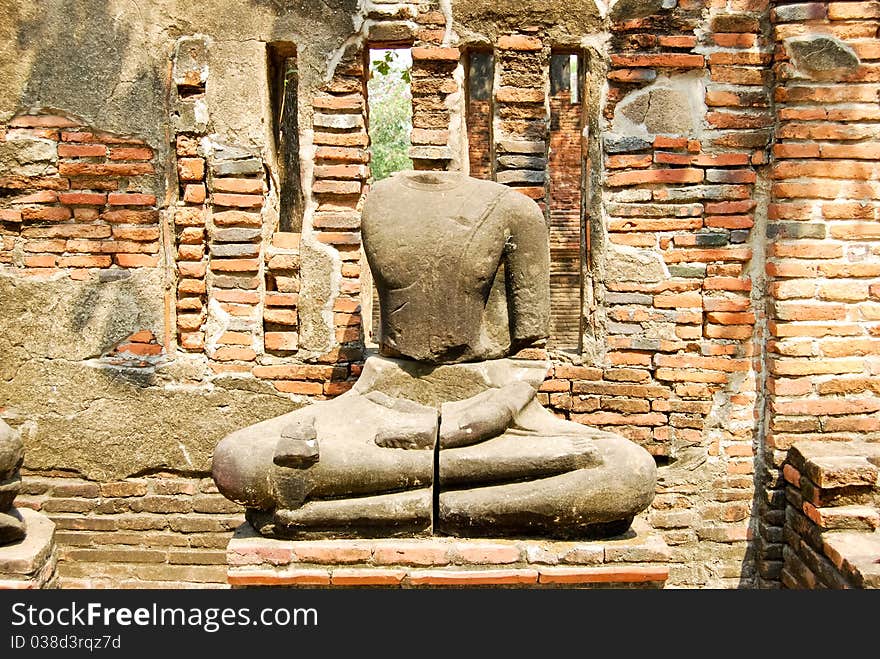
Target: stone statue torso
435, 242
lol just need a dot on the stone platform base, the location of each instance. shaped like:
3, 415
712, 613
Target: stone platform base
636, 559
30, 564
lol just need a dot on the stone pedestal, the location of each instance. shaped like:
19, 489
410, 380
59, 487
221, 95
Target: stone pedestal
30, 563
636, 559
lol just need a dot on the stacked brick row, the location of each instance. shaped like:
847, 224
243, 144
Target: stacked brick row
341, 173
79, 200
637, 561
432, 84
832, 514
189, 214
280, 319
163, 531
520, 126
478, 119
823, 270
235, 266
191, 256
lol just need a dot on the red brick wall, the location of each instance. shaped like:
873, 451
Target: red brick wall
823, 269
88, 210
684, 363
565, 168
162, 531
479, 133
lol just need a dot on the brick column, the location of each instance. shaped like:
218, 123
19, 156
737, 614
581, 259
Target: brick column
521, 121
432, 84
824, 262
189, 213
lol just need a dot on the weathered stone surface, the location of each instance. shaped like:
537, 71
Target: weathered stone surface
629, 264
422, 321
235, 249
502, 17
11, 452
338, 121
315, 306
236, 167
72, 320
235, 235
28, 157
99, 420
625, 144
24, 560
822, 56
430, 153
626, 10
513, 146
110, 423
390, 31
190, 62
659, 109
523, 162
520, 176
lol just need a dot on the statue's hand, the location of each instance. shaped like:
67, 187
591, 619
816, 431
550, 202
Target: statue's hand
406, 424
481, 417
297, 448
410, 431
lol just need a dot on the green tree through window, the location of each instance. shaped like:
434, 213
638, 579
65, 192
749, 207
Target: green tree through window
390, 111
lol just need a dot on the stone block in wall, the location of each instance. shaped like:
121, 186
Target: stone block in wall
190, 62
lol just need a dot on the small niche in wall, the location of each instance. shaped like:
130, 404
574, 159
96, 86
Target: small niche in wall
480, 80
566, 200
283, 88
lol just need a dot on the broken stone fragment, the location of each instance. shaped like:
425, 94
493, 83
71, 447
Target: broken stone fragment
625, 144
627, 10
191, 62
822, 56
297, 447
28, 157
662, 110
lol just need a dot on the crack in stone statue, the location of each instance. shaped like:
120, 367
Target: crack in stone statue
443, 432
12, 527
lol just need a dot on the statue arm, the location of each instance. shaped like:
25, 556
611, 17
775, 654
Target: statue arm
527, 267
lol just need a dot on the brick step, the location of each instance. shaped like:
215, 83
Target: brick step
635, 559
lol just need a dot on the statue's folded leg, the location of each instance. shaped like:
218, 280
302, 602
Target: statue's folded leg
516, 456
397, 513
582, 503
348, 485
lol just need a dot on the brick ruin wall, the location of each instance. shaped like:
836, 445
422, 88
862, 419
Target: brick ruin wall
713, 187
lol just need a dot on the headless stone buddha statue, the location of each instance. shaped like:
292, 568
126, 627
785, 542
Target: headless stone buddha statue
442, 432
12, 527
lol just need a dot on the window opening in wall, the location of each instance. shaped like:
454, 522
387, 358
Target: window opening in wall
566, 200
480, 78
565, 76
283, 88
390, 111
389, 104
